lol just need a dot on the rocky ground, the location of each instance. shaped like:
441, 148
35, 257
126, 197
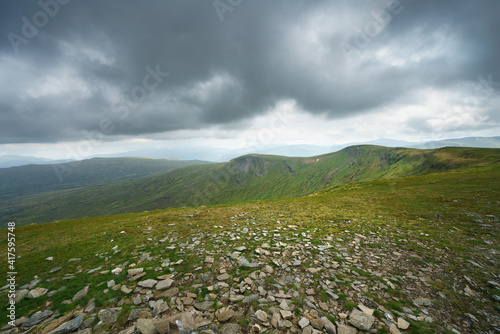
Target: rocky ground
271, 274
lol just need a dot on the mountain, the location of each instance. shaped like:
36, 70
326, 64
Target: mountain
250, 177
20, 160
420, 249
34, 179
491, 142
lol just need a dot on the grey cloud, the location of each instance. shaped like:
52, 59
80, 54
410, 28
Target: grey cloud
225, 72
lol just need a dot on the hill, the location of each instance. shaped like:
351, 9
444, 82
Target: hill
250, 177
20, 160
416, 254
33, 179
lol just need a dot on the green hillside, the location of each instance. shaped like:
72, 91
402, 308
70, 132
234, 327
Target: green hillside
250, 177
33, 179
423, 248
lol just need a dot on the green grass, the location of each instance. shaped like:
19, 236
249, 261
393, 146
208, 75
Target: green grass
464, 200
251, 177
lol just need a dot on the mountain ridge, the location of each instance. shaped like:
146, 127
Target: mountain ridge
246, 178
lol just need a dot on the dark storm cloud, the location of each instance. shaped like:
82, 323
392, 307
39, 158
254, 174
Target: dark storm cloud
89, 67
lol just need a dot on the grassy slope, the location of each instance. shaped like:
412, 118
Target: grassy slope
32, 179
245, 178
432, 216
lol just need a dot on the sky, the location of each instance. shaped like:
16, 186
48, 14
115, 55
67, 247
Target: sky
89, 78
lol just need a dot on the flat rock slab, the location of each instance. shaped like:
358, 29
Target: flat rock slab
146, 326
35, 293
181, 321
149, 283
204, 306
108, 316
69, 326
361, 320
344, 329
37, 318
164, 284
81, 294
230, 329
223, 277
135, 271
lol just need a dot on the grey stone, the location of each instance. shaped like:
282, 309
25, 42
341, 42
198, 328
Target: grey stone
139, 313
69, 326
286, 314
344, 329
20, 295
260, 316
422, 302
329, 326
249, 298
361, 320
164, 284
87, 323
204, 306
35, 293
134, 271
53, 270
81, 294
149, 283
37, 318
317, 323
307, 330
223, 315
223, 277
304, 322
108, 316
145, 326
403, 324
183, 321
230, 329
129, 330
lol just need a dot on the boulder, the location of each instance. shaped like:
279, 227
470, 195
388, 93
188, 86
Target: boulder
361, 320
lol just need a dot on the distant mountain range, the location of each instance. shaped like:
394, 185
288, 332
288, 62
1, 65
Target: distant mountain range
33, 194
21, 160
224, 154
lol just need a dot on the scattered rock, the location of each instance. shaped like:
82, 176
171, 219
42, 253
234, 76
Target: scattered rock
164, 284
329, 326
37, 292
361, 320
81, 294
108, 316
344, 329
304, 322
149, 283
422, 302
230, 329
224, 314
145, 326
223, 277
403, 324
69, 326
261, 316
37, 318
20, 295
135, 271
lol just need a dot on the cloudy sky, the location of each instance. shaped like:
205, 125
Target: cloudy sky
97, 77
